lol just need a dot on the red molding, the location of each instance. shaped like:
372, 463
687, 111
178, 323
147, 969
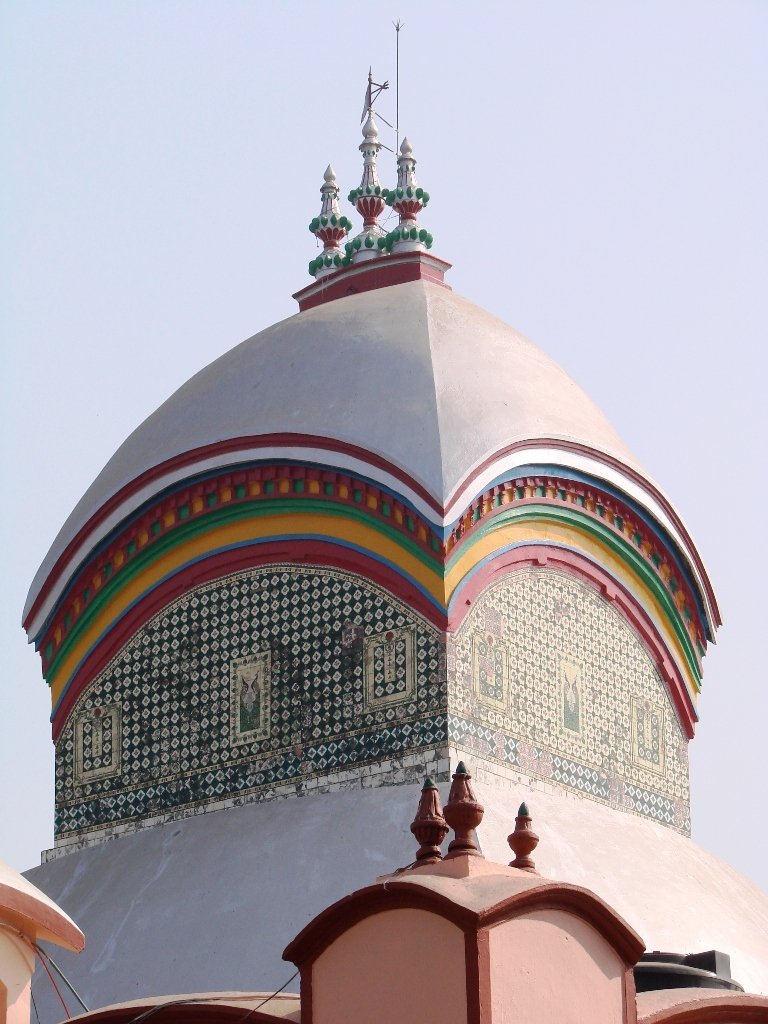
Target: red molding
483, 509
73, 603
221, 564
614, 463
371, 275
395, 894
230, 445
333, 555
233, 445
578, 565
724, 1008
32, 914
179, 1011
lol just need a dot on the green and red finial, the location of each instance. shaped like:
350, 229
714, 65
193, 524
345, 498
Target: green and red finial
408, 200
330, 228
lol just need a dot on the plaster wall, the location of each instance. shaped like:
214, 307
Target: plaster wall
550, 966
16, 967
401, 965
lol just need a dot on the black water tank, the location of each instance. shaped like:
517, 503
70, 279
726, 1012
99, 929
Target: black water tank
685, 970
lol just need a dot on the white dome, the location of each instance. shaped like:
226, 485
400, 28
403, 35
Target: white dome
413, 374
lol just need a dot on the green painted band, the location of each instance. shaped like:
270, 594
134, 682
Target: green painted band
219, 517
619, 547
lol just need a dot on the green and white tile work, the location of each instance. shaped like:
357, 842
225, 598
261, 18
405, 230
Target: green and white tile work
275, 681
287, 680
548, 680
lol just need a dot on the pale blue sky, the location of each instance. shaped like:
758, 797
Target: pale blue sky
598, 178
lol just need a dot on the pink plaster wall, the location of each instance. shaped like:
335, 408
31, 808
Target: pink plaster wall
401, 965
16, 966
550, 966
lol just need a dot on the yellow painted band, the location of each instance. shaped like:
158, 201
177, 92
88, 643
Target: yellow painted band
261, 527
529, 531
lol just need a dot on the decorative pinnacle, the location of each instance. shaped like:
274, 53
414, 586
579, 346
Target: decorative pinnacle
523, 841
463, 813
429, 826
408, 200
368, 197
329, 227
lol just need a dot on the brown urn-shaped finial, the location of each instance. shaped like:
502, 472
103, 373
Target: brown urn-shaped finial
463, 813
429, 826
523, 841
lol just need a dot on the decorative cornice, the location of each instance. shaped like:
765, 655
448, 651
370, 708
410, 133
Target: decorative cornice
270, 511
595, 504
562, 456
204, 500
187, 507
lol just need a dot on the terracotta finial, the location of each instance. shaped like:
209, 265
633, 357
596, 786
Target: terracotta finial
429, 826
523, 841
463, 813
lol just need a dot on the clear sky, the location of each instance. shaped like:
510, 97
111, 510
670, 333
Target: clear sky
598, 178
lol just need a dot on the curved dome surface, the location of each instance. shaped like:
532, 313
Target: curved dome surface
414, 374
150, 902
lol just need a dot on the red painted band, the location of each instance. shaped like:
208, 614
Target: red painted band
230, 445
221, 564
580, 566
614, 463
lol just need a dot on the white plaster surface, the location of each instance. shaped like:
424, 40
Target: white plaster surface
413, 373
210, 902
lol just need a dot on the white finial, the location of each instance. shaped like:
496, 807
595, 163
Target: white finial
406, 148
330, 175
370, 130
368, 197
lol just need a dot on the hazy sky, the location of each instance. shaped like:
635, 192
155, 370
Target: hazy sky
598, 178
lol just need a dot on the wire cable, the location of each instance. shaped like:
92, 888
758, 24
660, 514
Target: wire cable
55, 986
34, 1006
140, 1018
62, 975
275, 993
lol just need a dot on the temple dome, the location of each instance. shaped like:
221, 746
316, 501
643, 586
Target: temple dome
413, 374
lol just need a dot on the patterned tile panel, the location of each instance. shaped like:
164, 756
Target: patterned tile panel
268, 677
545, 675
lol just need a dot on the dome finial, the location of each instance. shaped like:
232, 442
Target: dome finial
429, 827
408, 200
368, 197
463, 813
523, 841
329, 227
